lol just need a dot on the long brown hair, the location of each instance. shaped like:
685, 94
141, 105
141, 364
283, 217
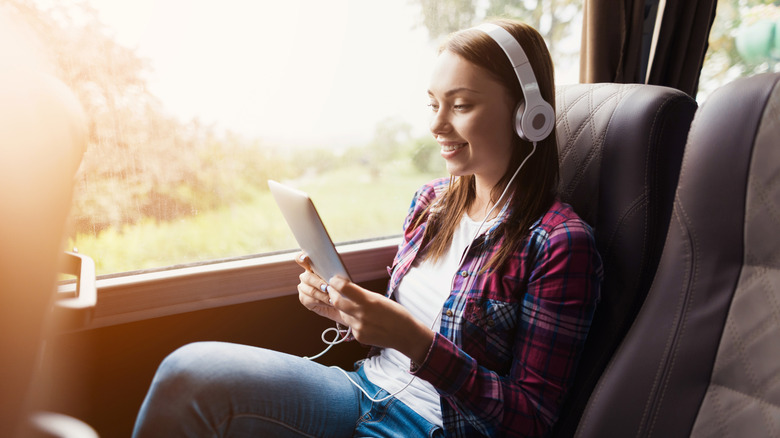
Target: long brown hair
535, 187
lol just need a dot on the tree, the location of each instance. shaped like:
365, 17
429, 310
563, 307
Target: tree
553, 19
723, 62
441, 17
390, 136
140, 162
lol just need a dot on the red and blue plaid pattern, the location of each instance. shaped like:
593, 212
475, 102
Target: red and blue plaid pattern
510, 337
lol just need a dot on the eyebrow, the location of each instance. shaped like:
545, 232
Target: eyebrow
455, 91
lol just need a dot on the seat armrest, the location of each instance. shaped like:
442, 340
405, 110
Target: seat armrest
73, 309
53, 425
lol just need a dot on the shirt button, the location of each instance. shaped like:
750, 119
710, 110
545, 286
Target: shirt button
464, 274
449, 313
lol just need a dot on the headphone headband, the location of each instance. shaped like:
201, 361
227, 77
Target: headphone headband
534, 118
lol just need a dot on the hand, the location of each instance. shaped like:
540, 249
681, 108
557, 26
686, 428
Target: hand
311, 291
380, 321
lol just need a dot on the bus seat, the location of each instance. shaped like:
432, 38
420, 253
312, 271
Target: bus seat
703, 356
42, 139
620, 150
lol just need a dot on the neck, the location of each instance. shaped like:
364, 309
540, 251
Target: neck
480, 206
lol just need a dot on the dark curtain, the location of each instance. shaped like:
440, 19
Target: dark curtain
612, 42
682, 44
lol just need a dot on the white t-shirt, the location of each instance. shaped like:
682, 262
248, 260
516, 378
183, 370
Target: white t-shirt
423, 291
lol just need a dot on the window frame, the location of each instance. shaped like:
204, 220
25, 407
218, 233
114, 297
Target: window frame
132, 297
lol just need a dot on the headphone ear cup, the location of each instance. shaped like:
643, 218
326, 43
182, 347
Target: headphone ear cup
536, 123
519, 110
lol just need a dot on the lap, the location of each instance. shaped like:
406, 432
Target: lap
222, 389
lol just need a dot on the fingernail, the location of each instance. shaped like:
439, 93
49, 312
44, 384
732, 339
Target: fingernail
302, 257
324, 287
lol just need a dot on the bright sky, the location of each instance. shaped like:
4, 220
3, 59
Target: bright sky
306, 72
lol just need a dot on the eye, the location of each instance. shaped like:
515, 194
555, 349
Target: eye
461, 107
433, 106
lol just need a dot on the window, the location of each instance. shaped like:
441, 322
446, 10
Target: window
744, 41
193, 105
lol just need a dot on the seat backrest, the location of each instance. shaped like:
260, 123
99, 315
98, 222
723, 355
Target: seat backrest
703, 355
620, 148
43, 135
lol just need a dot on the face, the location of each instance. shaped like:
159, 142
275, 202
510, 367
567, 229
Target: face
472, 119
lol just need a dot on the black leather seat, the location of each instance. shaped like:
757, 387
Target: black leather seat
620, 149
703, 356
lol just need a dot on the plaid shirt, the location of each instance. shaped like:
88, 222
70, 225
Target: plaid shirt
510, 338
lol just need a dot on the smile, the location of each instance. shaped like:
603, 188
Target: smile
452, 147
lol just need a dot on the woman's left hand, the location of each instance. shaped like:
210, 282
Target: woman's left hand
380, 321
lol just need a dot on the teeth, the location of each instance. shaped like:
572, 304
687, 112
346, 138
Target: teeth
450, 148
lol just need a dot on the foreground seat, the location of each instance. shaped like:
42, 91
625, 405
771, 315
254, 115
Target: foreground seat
703, 356
620, 148
43, 136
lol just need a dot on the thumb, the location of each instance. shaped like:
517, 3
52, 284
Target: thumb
303, 261
345, 288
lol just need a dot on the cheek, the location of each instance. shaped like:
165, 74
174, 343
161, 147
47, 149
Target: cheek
496, 129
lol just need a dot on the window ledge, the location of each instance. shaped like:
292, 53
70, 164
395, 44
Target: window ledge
134, 297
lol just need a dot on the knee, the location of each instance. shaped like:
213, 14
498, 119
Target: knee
187, 357
179, 384
185, 371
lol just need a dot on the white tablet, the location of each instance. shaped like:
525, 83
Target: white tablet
309, 231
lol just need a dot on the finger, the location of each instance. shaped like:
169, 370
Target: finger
346, 288
347, 297
305, 299
312, 279
303, 261
315, 292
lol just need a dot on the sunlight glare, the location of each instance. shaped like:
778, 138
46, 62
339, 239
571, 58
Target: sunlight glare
293, 72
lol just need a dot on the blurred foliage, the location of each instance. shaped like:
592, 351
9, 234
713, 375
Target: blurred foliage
346, 199
425, 155
390, 135
184, 189
141, 163
723, 63
553, 19
442, 17
145, 170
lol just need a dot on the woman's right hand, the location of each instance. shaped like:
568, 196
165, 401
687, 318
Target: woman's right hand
312, 291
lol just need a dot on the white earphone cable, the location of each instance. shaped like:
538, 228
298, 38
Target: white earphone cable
506, 189
343, 335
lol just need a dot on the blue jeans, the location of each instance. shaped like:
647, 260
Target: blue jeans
214, 389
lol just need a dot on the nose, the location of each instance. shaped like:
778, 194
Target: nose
440, 123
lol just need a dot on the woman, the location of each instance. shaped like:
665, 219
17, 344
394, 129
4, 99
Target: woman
490, 299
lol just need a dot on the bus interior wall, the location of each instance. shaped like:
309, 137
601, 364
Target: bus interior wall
101, 375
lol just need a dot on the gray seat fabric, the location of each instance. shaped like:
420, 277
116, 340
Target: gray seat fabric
620, 148
703, 356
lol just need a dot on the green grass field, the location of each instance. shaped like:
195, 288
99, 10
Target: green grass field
352, 204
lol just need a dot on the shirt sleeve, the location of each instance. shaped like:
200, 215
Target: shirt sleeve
556, 309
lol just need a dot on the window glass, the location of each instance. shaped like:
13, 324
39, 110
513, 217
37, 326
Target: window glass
194, 105
744, 41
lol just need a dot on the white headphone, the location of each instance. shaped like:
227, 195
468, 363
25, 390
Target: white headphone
534, 118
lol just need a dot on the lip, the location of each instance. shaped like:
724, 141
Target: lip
451, 147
